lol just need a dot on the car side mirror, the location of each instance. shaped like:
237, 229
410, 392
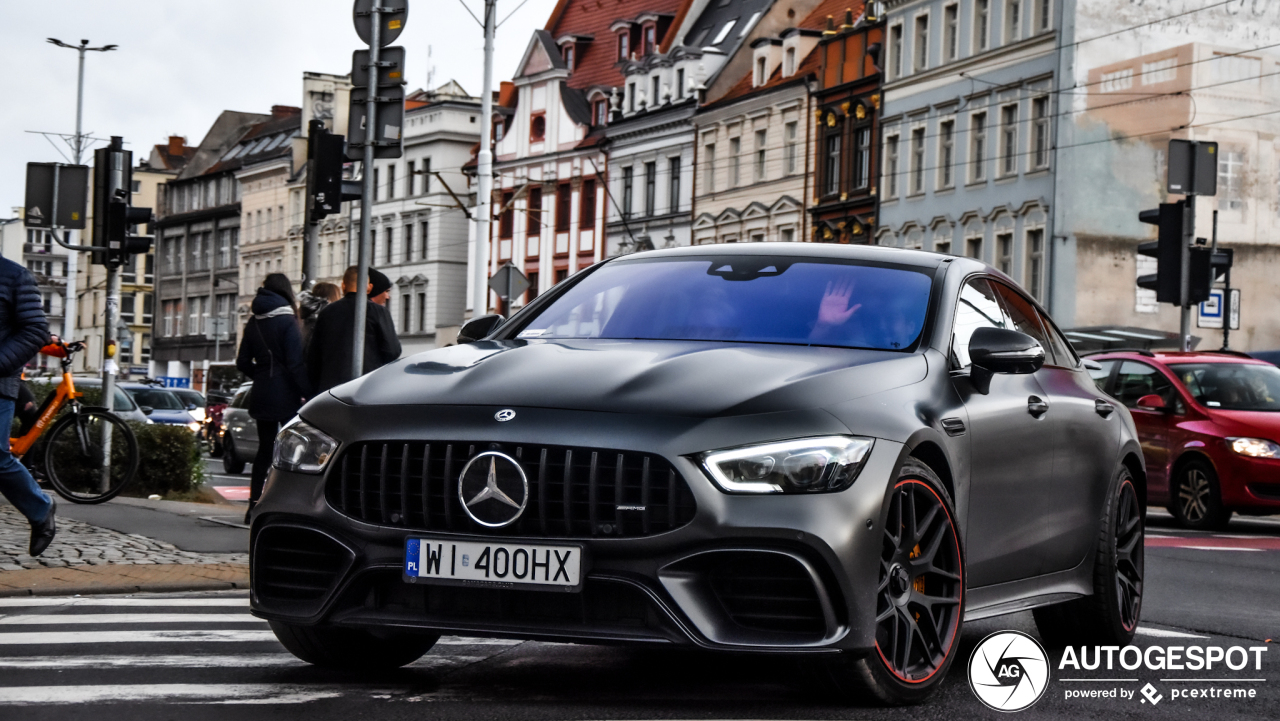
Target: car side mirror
1092, 365
1000, 350
477, 328
1152, 402
146, 410
191, 406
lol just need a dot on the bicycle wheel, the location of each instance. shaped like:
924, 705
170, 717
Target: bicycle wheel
75, 451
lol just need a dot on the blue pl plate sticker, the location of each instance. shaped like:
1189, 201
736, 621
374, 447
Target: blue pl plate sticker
411, 558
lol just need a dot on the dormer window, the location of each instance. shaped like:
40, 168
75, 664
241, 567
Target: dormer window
650, 39
624, 45
789, 62
569, 56
761, 67
600, 111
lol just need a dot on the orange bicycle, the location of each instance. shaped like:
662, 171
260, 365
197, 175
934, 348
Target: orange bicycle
90, 454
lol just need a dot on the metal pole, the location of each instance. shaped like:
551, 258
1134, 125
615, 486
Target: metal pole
115, 181
1226, 292
366, 200
309, 253
484, 174
80, 103
1184, 274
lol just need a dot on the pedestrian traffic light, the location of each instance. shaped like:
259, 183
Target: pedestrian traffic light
1167, 251
113, 217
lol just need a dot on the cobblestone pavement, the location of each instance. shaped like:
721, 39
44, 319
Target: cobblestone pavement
80, 544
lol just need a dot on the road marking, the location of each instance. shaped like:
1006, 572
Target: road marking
1216, 548
1215, 543
1164, 633
40, 638
249, 660
69, 619
26, 601
473, 641
233, 493
213, 692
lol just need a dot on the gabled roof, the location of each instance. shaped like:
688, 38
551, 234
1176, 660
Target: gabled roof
226, 131
597, 61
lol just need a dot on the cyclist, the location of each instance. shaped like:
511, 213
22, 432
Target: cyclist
23, 330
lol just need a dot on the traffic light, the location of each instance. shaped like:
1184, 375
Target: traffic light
1167, 251
113, 217
326, 190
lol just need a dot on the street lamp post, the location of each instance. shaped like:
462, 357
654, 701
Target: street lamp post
77, 147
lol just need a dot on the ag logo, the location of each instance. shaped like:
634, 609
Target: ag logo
1008, 671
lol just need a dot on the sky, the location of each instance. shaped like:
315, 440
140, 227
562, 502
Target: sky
181, 62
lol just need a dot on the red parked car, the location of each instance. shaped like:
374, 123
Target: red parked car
1209, 424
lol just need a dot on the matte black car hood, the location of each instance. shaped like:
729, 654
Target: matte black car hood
701, 379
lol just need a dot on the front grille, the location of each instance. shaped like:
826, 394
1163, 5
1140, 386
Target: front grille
295, 568
767, 592
573, 492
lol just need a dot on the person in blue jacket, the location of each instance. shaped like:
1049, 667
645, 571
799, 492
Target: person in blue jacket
271, 355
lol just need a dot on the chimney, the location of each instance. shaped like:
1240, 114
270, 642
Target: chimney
284, 111
177, 144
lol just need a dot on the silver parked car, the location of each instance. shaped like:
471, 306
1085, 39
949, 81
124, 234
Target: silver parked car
124, 405
239, 432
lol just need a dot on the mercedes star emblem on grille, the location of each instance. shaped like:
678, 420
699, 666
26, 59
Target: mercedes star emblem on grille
504, 415
493, 489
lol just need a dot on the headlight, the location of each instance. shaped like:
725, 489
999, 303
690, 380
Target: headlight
303, 448
807, 465
1255, 447
194, 426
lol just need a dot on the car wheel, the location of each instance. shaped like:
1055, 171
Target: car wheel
1109, 616
919, 597
231, 463
1197, 502
352, 649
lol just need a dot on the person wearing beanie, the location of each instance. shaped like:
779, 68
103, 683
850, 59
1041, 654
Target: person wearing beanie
329, 352
379, 287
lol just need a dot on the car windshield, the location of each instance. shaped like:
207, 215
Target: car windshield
157, 398
189, 397
1232, 386
748, 299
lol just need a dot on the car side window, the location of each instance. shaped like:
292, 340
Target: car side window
1136, 380
1100, 376
976, 308
239, 400
1067, 356
122, 401
1025, 319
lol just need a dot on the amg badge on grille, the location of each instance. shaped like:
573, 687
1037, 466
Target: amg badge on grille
493, 489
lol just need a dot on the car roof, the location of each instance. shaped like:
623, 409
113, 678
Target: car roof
881, 253
1172, 357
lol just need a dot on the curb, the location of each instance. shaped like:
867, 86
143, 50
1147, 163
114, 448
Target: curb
124, 578
107, 589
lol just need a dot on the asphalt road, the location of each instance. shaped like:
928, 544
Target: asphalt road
158, 660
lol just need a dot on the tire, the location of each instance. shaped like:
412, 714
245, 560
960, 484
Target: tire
231, 463
1197, 499
350, 649
908, 591
73, 456
1110, 615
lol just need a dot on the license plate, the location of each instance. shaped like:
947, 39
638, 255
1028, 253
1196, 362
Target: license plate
492, 564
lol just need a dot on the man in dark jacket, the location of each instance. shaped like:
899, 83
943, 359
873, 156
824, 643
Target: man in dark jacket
23, 330
329, 351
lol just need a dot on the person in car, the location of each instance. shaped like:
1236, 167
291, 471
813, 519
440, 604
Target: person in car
23, 329
271, 354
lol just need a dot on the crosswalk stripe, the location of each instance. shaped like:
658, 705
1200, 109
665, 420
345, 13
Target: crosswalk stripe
38, 638
68, 619
36, 601
274, 693
1164, 633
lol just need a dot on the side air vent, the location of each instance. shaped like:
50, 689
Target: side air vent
767, 592
295, 569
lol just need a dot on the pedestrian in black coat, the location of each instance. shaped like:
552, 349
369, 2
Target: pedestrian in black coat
23, 330
329, 352
271, 355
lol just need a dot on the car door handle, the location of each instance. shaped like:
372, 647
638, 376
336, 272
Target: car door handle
1103, 408
1036, 406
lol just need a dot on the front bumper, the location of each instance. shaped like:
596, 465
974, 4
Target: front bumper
781, 573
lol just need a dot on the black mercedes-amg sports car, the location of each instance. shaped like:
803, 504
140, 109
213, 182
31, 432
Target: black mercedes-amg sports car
834, 451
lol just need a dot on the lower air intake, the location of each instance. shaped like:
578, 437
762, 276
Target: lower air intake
295, 569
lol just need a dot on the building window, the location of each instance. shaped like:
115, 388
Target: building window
424, 228
735, 162
505, 217
1009, 140
422, 312
408, 242
861, 158
891, 167
787, 235
391, 241
710, 152
601, 111
760, 155
537, 128
586, 205
1013, 21
673, 185
534, 215
391, 187
650, 39
946, 153
409, 179
1035, 263
922, 43
376, 187
895, 51
406, 313
917, 161
1004, 246
978, 147
788, 62
564, 197
831, 163
650, 188
679, 82
942, 246
656, 90
1040, 137
973, 247
499, 129
568, 56
144, 353
1044, 17
127, 305
1230, 180
624, 44
631, 97
951, 31
761, 65
981, 24
373, 246
628, 180
426, 175
148, 307
790, 132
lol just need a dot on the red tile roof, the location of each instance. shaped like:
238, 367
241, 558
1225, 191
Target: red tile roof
816, 20
597, 63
